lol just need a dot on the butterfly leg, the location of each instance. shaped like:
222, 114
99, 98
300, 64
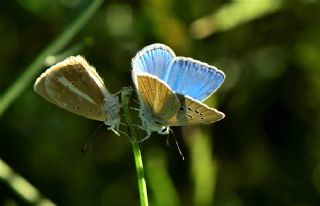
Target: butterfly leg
136, 109
114, 126
145, 138
139, 127
113, 129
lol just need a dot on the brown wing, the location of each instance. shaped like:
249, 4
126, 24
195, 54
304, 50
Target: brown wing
193, 112
156, 97
74, 86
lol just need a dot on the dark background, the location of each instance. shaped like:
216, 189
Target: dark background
265, 152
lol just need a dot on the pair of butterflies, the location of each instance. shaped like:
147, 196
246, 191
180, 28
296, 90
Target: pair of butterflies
170, 90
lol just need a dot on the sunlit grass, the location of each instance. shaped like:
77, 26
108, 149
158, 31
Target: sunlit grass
162, 187
203, 167
58, 44
22, 187
231, 15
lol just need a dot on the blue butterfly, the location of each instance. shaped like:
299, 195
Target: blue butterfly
171, 89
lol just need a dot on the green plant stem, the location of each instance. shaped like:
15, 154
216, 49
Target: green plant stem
29, 74
125, 97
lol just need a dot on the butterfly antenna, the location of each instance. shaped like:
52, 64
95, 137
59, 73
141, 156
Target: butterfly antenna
177, 144
84, 148
167, 140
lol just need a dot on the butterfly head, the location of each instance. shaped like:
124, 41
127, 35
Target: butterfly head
150, 124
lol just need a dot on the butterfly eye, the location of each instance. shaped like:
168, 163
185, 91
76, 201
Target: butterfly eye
164, 129
181, 108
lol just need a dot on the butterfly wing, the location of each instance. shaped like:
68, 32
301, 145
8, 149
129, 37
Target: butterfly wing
75, 86
170, 109
154, 59
184, 75
156, 98
193, 112
194, 78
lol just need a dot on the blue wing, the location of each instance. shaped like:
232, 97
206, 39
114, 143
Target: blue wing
193, 78
154, 59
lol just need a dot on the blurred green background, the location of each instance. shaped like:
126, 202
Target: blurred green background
265, 152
